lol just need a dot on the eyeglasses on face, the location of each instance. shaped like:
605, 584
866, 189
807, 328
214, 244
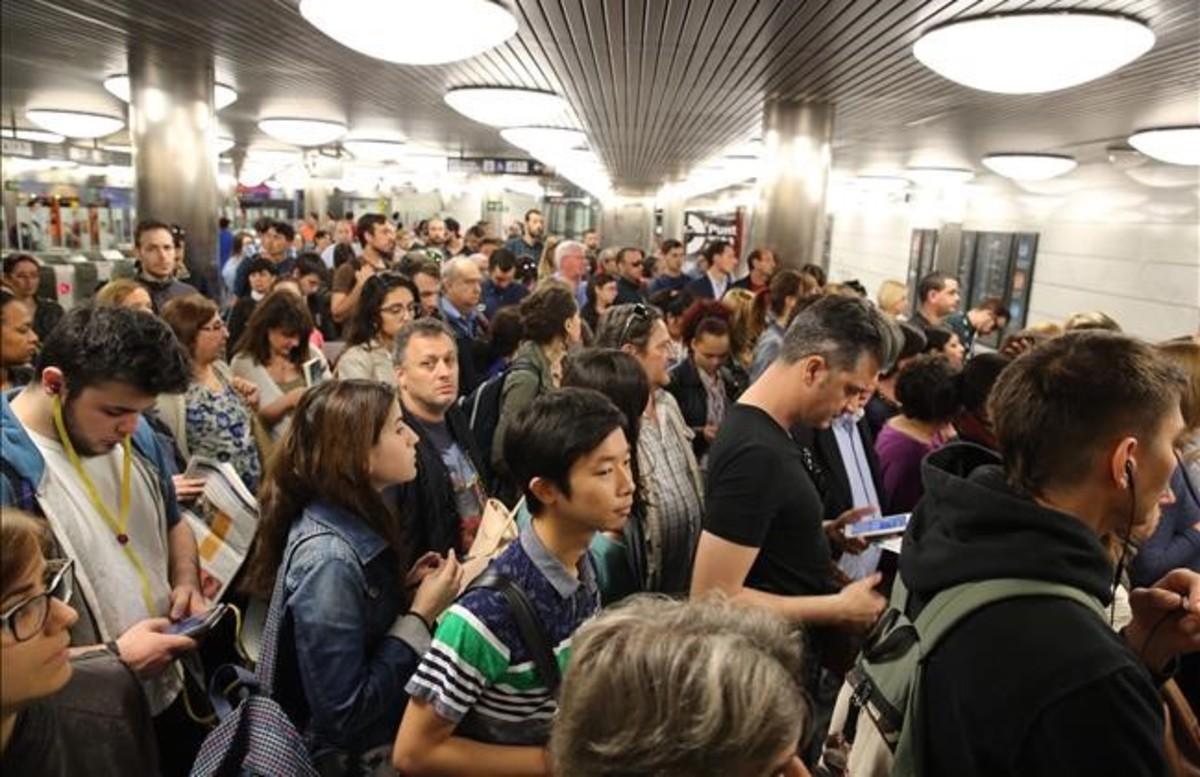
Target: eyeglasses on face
25, 619
400, 308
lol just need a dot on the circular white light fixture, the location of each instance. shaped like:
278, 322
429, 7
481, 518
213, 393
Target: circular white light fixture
118, 86
34, 136
507, 106
536, 138
938, 176
1029, 167
302, 132
374, 149
1027, 53
74, 124
224, 144
1176, 145
478, 26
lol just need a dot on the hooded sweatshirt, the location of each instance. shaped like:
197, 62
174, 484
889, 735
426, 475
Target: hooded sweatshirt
1030, 686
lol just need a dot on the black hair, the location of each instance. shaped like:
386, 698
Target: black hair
342, 253
366, 321
503, 260
937, 338
530, 212
620, 377
285, 229
320, 233
714, 249
668, 245
366, 226
841, 330
934, 281
262, 224
311, 264
912, 343
627, 325
927, 388
94, 345
12, 260
977, 378
556, 430
505, 333
148, 225
672, 302
260, 264
280, 310
545, 313
452, 225
223, 223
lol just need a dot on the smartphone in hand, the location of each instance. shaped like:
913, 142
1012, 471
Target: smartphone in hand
198, 626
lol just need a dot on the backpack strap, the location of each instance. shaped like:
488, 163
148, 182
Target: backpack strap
23, 491
529, 626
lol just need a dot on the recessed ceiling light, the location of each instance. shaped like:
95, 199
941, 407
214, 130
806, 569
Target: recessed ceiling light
1027, 53
507, 106
1029, 167
374, 149
34, 136
531, 138
1177, 145
938, 176
302, 132
118, 86
74, 124
478, 25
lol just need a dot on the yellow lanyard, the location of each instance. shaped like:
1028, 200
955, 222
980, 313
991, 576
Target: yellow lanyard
120, 524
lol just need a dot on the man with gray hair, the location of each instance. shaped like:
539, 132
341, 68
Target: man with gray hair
445, 501
462, 289
570, 267
764, 541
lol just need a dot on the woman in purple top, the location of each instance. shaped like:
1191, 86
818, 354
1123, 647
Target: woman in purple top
927, 389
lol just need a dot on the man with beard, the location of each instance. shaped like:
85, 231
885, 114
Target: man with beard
378, 239
77, 452
447, 498
529, 245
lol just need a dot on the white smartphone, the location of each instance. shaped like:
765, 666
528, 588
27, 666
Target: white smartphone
878, 527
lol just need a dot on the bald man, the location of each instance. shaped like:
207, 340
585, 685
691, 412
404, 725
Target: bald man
462, 288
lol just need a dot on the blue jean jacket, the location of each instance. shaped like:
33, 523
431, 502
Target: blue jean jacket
348, 649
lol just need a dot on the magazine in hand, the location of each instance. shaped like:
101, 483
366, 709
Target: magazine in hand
224, 521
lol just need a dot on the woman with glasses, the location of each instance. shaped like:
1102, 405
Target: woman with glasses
388, 302
34, 661
215, 418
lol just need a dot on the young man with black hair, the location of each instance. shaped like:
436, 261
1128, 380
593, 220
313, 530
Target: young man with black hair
988, 316
377, 237
157, 263
447, 498
937, 298
276, 248
672, 276
761, 262
1040, 686
630, 276
721, 260
260, 276
478, 706
529, 243
501, 289
77, 451
312, 277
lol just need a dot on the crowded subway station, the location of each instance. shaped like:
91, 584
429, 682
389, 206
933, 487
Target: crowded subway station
597, 388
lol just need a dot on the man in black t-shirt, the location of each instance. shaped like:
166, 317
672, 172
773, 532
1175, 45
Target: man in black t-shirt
764, 542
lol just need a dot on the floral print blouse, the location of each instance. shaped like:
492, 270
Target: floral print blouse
219, 427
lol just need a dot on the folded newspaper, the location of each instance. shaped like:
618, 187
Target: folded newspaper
224, 520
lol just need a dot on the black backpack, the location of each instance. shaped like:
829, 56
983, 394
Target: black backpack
482, 409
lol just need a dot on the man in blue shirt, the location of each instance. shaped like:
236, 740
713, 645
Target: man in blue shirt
501, 289
529, 244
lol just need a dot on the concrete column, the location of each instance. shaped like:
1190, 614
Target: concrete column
790, 215
628, 223
173, 128
672, 208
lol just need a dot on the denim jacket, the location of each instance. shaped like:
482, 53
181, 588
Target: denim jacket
348, 648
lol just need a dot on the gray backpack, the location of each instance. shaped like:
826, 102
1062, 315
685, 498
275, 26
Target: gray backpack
877, 714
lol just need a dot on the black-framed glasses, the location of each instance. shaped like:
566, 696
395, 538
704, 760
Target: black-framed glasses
641, 311
25, 619
412, 309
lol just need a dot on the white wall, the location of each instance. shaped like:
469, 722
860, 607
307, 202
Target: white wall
1107, 241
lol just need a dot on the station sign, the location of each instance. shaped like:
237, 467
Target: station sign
495, 166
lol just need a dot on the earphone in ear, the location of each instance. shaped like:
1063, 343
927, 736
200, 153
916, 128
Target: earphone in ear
1128, 471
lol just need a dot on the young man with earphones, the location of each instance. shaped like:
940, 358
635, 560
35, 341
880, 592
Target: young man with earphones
1041, 684
76, 451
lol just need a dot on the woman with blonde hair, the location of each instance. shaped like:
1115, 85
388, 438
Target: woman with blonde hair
893, 298
546, 268
745, 325
124, 293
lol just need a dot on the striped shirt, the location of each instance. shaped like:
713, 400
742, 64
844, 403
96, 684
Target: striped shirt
670, 470
478, 673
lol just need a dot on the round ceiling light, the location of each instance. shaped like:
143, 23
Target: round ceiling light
75, 124
118, 86
506, 106
478, 26
1027, 53
302, 132
534, 138
938, 176
374, 149
1176, 145
1029, 167
34, 136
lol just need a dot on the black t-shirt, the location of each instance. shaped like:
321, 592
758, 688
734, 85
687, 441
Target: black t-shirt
759, 495
36, 747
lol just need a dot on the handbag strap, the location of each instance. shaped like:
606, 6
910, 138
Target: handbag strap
529, 625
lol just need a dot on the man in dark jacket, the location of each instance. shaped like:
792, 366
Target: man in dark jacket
1041, 685
445, 503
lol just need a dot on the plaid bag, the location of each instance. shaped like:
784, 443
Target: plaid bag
256, 737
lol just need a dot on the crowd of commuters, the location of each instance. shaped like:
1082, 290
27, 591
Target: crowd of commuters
677, 448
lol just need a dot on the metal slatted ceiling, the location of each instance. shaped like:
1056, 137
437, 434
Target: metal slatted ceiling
659, 85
